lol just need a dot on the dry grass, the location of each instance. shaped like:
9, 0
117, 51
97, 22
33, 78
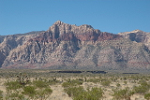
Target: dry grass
107, 82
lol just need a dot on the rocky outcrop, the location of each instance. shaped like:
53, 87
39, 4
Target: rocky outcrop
60, 31
138, 36
65, 46
10, 42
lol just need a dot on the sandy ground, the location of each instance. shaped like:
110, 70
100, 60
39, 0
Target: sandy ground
59, 94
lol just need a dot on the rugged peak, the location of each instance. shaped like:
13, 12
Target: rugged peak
136, 31
58, 23
66, 32
86, 26
135, 35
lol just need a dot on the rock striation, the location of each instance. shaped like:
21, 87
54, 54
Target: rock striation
65, 46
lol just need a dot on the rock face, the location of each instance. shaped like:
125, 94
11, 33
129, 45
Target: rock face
65, 46
138, 36
10, 42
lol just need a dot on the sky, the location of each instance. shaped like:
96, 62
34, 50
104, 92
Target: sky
114, 16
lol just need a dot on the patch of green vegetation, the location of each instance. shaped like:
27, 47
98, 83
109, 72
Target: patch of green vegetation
94, 80
119, 94
34, 90
44, 93
105, 82
78, 93
71, 83
29, 91
12, 85
40, 84
15, 96
1, 95
53, 81
118, 85
147, 96
142, 88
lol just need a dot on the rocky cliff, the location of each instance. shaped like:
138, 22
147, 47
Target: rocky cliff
65, 46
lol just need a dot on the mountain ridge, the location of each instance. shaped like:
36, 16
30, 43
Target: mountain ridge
65, 46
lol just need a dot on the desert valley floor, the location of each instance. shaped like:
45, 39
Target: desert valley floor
47, 85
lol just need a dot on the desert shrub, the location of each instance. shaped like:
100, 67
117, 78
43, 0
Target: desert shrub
14, 96
66, 84
36, 89
124, 78
125, 82
53, 82
147, 96
105, 82
85, 79
40, 84
142, 88
94, 94
71, 83
23, 78
39, 89
1, 94
74, 91
114, 79
144, 83
44, 93
12, 85
94, 80
118, 85
78, 93
119, 94
29, 91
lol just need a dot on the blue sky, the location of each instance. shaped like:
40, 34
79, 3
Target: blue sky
21, 16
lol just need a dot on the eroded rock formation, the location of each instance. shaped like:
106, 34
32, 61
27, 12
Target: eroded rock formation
65, 46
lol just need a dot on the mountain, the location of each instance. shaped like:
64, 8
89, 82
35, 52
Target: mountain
138, 36
65, 46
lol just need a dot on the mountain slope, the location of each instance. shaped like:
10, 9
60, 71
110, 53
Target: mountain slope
65, 46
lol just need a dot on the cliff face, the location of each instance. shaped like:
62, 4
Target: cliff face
138, 36
10, 42
65, 46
